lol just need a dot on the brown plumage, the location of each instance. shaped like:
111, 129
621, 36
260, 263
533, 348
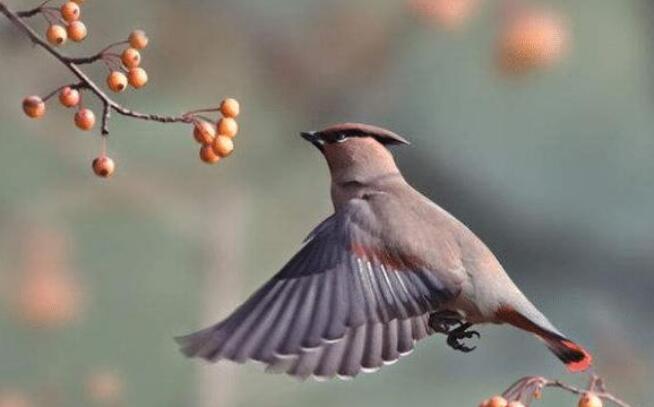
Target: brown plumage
387, 269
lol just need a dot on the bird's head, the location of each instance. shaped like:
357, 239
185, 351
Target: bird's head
356, 151
338, 134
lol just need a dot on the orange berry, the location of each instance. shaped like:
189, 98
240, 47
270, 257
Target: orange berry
448, 14
204, 132
138, 39
85, 119
69, 97
227, 127
34, 107
208, 156
131, 58
532, 40
14, 399
77, 31
497, 401
589, 399
222, 145
56, 35
117, 81
515, 403
103, 166
70, 11
138, 77
105, 387
230, 108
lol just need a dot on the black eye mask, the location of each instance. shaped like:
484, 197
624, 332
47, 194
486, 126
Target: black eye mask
341, 132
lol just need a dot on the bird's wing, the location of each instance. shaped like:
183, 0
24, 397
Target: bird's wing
343, 278
365, 348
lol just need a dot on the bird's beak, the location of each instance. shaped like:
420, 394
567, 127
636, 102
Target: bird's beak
314, 138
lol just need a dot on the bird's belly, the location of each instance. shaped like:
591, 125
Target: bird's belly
465, 305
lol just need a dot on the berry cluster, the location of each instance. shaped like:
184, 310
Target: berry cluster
125, 70
217, 140
128, 69
69, 15
524, 391
587, 399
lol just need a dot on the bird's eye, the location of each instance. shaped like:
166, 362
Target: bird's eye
340, 138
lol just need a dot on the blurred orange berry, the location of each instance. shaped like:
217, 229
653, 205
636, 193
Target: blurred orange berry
76, 31
48, 298
138, 77
117, 81
223, 145
138, 39
56, 35
131, 58
70, 11
531, 40
448, 14
230, 108
47, 293
497, 401
69, 97
204, 132
227, 127
34, 107
103, 166
85, 119
515, 403
13, 399
589, 399
208, 155
105, 387
484, 403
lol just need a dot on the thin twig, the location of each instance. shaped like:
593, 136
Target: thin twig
210, 110
526, 388
106, 113
96, 57
85, 81
54, 92
34, 11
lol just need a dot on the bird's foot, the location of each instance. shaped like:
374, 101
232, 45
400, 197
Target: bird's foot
443, 321
455, 338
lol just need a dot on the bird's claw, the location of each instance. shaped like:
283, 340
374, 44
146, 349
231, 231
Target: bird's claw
455, 338
443, 321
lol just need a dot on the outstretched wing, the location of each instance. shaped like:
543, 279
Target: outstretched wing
345, 302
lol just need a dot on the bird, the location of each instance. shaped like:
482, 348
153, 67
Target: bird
388, 268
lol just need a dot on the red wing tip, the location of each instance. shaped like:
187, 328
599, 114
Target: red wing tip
578, 365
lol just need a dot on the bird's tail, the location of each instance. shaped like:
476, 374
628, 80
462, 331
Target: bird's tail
575, 357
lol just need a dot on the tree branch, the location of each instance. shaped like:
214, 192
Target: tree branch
85, 81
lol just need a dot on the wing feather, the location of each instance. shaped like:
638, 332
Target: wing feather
344, 303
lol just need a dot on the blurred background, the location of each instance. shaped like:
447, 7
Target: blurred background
531, 121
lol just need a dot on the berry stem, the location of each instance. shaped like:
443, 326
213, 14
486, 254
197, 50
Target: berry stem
96, 57
106, 115
192, 112
54, 92
85, 81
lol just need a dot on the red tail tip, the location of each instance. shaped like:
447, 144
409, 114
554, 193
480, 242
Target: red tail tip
583, 363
